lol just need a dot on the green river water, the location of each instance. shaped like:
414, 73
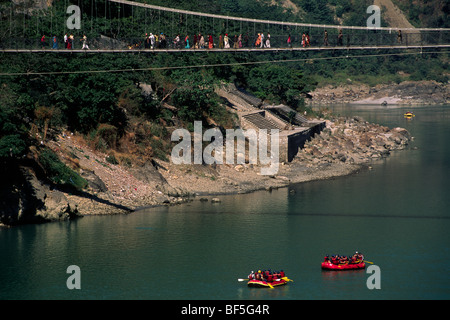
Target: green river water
397, 214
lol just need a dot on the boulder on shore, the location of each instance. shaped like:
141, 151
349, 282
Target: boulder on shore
354, 141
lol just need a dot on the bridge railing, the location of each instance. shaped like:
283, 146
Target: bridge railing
349, 38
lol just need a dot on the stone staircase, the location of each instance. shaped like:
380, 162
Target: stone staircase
261, 122
283, 112
250, 99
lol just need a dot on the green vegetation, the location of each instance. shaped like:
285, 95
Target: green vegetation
426, 14
116, 114
58, 172
13, 138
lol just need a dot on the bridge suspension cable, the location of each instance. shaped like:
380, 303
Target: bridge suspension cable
121, 25
273, 22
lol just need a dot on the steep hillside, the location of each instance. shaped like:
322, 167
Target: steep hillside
393, 15
431, 13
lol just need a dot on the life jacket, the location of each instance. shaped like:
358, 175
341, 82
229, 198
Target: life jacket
282, 274
269, 278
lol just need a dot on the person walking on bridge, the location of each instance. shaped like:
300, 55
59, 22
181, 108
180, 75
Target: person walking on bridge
163, 41
84, 40
146, 41
43, 43
152, 41
267, 44
340, 41
70, 41
55, 43
399, 36
201, 41
226, 41
258, 40
210, 42
235, 43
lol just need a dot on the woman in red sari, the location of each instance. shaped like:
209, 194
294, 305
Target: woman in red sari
211, 42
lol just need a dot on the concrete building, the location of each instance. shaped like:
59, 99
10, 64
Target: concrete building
294, 128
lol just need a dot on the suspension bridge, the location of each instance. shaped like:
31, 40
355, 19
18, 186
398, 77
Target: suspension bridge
119, 26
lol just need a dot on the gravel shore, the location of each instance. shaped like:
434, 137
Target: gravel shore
404, 93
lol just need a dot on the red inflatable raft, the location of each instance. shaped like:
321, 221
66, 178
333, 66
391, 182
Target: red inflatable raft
338, 267
262, 284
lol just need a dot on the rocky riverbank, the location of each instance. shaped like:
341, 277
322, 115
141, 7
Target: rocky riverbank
404, 93
345, 146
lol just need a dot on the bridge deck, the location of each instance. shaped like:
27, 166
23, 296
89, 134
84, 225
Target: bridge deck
223, 50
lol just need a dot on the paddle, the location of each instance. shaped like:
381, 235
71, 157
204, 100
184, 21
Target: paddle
243, 280
368, 261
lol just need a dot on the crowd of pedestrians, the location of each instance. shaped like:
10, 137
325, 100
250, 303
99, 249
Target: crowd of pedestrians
68, 42
222, 41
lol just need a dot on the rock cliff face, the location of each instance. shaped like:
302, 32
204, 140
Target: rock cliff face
25, 199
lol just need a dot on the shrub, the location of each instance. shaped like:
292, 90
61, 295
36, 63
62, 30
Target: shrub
58, 172
12, 146
111, 159
108, 133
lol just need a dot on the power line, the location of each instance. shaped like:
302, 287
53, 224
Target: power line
216, 65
